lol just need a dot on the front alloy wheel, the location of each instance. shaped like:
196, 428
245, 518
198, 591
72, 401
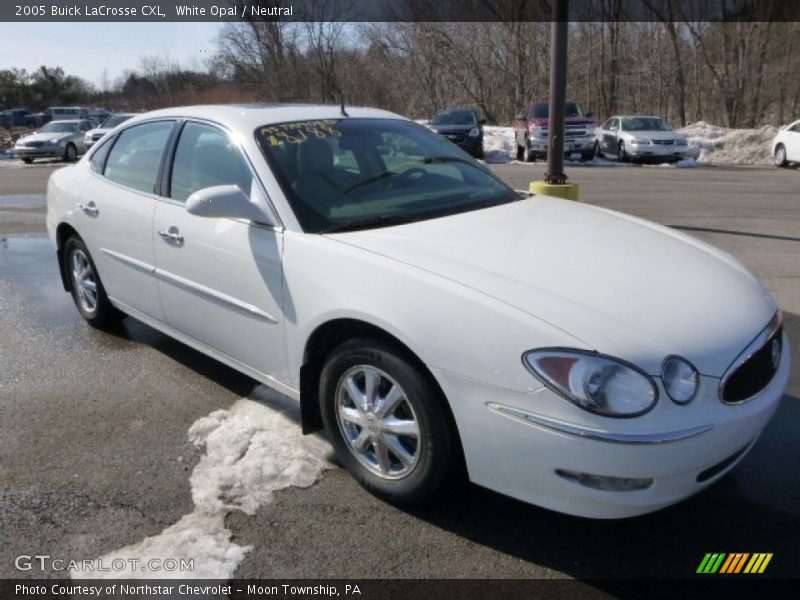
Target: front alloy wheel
386, 421
70, 153
377, 422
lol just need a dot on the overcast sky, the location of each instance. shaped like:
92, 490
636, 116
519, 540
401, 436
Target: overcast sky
86, 49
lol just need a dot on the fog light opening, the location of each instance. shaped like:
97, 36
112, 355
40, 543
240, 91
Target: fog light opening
605, 483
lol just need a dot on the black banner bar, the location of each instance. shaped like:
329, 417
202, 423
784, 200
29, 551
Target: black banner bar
395, 10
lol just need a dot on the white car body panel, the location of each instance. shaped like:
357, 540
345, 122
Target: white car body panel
468, 295
789, 136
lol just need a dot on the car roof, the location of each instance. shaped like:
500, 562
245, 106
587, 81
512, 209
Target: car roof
251, 116
71, 121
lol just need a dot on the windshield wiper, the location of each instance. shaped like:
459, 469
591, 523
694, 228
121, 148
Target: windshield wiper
381, 221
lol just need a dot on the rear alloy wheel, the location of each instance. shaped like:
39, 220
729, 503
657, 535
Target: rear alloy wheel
780, 156
70, 153
87, 290
386, 421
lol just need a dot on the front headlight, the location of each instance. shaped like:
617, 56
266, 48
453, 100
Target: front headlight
680, 141
600, 384
680, 379
474, 132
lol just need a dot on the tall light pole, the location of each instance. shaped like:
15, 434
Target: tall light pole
555, 181
558, 92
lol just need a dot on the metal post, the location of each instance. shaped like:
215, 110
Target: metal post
558, 91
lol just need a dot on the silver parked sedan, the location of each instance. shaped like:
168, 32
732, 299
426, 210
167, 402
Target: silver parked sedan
57, 139
640, 137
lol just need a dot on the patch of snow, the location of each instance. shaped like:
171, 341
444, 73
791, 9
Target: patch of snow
713, 144
499, 145
251, 450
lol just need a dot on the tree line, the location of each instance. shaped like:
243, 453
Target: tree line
739, 74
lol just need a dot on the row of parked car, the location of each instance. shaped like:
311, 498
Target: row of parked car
66, 138
624, 137
22, 117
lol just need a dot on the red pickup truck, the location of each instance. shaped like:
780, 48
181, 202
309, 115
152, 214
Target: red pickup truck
531, 129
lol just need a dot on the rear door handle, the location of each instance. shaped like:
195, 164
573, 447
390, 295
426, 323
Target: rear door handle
90, 208
171, 234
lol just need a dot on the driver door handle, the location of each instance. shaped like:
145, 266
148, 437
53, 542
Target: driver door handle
90, 208
171, 234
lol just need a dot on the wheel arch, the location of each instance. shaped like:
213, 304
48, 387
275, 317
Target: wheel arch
321, 343
63, 232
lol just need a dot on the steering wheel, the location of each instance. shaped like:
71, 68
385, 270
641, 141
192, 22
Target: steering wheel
401, 178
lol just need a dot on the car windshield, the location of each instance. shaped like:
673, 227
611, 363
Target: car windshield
341, 174
59, 127
454, 117
114, 120
644, 124
571, 109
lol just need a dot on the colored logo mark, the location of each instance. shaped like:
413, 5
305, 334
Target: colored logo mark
736, 562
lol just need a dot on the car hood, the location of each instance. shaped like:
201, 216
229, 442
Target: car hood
45, 137
452, 128
619, 285
544, 121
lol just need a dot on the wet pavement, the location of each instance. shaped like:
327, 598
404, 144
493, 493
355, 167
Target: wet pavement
95, 456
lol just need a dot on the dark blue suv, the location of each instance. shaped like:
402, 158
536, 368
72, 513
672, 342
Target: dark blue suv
462, 126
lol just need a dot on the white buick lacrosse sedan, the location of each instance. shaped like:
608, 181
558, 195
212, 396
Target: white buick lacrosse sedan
426, 315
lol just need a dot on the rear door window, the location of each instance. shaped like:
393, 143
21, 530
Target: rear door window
136, 156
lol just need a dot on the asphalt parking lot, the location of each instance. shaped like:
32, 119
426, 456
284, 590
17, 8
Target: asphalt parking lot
95, 454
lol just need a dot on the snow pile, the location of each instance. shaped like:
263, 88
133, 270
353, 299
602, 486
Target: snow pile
499, 145
714, 144
251, 451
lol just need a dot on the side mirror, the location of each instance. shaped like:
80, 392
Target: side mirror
589, 114
225, 202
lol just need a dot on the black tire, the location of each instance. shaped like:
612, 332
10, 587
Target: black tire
780, 156
597, 152
587, 155
528, 155
103, 314
27, 160
622, 156
479, 153
70, 153
520, 153
436, 446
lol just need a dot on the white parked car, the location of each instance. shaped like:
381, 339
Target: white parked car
640, 137
94, 135
424, 313
786, 145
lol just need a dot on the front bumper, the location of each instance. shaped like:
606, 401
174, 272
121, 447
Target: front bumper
538, 145
657, 150
40, 152
682, 449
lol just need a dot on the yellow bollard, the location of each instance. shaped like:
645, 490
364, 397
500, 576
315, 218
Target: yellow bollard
568, 191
